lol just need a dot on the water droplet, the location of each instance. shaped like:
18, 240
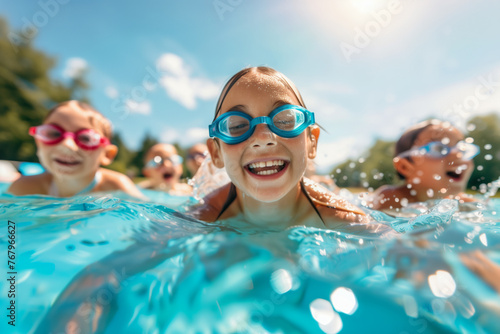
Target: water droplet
488, 157
362, 175
469, 140
416, 180
437, 177
471, 127
479, 167
445, 140
430, 193
352, 165
413, 192
361, 160
487, 147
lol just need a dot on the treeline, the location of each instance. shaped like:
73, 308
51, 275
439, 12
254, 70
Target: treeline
374, 167
27, 91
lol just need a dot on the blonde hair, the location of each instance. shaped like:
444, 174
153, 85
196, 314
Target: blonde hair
96, 118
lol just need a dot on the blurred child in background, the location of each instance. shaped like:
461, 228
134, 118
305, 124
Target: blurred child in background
163, 169
195, 157
434, 160
72, 144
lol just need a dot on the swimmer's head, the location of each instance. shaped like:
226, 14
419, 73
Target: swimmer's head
434, 155
258, 70
74, 140
163, 166
99, 123
268, 160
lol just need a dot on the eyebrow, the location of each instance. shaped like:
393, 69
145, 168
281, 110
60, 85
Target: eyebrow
276, 104
280, 103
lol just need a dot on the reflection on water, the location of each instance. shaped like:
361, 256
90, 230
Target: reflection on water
106, 264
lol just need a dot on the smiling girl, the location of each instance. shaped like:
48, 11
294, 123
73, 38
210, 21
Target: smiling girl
263, 135
72, 143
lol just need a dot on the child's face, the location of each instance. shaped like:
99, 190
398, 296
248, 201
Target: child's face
66, 158
195, 157
257, 95
440, 176
166, 173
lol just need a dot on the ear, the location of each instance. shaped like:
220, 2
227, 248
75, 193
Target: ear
403, 166
110, 152
313, 141
215, 153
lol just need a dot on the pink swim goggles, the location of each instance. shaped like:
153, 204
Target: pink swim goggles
51, 134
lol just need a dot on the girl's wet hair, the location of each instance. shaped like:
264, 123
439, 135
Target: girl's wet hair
263, 70
96, 118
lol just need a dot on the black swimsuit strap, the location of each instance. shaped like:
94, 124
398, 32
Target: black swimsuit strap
230, 199
232, 196
303, 188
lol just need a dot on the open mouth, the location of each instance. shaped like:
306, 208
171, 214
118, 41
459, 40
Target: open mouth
167, 176
67, 162
455, 175
264, 168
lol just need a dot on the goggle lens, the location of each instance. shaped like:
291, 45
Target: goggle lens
438, 150
287, 121
50, 134
158, 161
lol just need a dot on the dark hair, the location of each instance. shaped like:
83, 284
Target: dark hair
407, 139
259, 69
103, 121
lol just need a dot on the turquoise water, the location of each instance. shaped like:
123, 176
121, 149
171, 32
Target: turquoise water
107, 264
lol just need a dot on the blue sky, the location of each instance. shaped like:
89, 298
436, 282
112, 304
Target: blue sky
367, 68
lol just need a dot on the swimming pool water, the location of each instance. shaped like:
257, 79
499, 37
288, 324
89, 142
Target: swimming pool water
108, 264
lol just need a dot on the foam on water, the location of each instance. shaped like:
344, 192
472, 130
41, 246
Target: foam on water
109, 264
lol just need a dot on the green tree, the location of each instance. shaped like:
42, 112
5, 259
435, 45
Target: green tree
122, 162
486, 134
373, 169
138, 159
26, 93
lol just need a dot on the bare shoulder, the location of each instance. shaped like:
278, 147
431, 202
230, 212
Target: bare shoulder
211, 205
115, 181
31, 184
465, 198
387, 197
182, 189
322, 197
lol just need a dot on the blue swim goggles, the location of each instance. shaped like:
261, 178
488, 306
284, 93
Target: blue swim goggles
287, 121
158, 161
438, 150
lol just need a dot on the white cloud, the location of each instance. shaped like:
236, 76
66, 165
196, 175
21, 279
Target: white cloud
111, 92
135, 107
181, 85
325, 110
331, 153
187, 138
457, 103
75, 67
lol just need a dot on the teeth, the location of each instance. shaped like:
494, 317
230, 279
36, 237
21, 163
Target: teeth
271, 163
267, 172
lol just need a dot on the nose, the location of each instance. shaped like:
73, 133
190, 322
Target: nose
263, 136
69, 142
